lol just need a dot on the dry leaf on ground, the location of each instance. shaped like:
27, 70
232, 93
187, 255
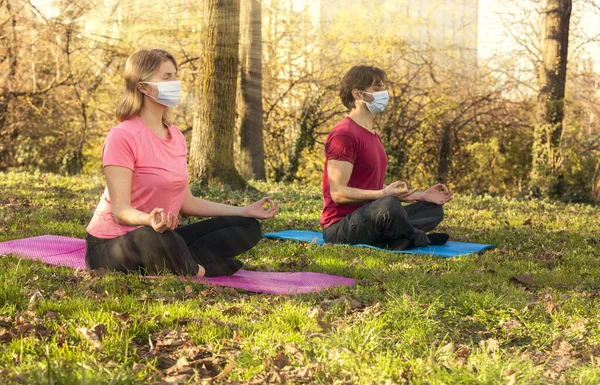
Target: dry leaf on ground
91, 336
524, 279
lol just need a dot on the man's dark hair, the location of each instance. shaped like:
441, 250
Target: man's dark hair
361, 77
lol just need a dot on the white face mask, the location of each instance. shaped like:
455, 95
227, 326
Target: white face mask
169, 93
380, 101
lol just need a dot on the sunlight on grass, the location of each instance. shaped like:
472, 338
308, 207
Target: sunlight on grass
409, 318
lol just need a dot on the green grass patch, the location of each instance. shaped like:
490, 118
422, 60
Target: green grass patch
526, 312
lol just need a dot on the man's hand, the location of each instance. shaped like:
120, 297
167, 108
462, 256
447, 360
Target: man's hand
400, 190
438, 194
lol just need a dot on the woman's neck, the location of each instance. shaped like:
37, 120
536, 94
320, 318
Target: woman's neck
153, 119
362, 117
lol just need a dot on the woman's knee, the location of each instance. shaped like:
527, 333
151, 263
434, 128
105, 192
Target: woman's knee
246, 230
254, 230
157, 246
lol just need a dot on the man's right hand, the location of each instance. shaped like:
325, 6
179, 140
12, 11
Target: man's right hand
399, 189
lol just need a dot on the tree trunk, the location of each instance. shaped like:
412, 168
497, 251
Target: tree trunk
547, 173
73, 159
252, 159
444, 154
211, 152
596, 184
7, 133
309, 121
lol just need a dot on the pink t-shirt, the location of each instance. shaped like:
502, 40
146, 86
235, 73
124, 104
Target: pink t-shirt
160, 175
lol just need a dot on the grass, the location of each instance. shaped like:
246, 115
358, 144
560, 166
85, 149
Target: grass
526, 312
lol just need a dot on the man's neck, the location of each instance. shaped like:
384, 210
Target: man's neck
362, 117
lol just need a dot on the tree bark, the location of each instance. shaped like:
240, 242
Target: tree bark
547, 172
444, 154
252, 159
8, 133
211, 151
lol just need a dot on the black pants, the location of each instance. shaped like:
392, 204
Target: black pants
386, 223
212, 243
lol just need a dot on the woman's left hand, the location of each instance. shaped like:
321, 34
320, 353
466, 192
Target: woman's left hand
257, 209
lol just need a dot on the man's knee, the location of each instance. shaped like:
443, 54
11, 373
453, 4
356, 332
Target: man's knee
435, 213
390, 206
436, 210
387, 203
388, 210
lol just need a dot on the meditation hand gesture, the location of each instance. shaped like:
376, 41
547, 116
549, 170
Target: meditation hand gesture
161, 222
398, 189
259, 211
438, 194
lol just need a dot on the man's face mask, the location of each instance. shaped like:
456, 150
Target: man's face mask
169, 93
380, 101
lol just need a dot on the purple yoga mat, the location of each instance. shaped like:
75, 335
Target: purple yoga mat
70, 252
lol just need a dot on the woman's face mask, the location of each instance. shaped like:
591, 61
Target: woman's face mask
380, 101
169, 93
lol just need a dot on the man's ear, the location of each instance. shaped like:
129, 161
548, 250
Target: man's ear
357, 94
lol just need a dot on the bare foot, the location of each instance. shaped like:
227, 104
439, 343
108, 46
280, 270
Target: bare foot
201, 271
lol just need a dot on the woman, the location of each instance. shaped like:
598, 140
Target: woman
134, 227
358, 206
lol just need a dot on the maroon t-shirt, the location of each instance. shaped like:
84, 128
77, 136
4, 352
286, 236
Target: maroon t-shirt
349, 142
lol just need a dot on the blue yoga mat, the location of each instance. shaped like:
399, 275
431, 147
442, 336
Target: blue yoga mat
449, 250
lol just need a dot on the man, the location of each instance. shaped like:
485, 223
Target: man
358, 206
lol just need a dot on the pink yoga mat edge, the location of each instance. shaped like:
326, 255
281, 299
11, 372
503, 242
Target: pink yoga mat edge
70, 252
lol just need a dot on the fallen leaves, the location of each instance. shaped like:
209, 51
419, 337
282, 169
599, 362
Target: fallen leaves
510, 324
279, 369
169, 338
548, 256
510, 376
219, 322
524, 279
36, 297
317, 314
296, 262
179, 359
22, 326
93, 335
549, 304
225, 371
280, 360
563, 356
491, 345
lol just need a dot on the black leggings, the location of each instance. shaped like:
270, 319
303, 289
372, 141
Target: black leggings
213, 243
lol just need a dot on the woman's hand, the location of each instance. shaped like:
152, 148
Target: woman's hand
257, 209
400, 190
438, 194
161, 222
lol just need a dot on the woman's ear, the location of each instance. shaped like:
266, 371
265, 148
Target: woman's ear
142, 88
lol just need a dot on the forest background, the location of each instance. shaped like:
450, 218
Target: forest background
483, 125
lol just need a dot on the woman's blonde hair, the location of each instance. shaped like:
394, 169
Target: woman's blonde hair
139, 68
